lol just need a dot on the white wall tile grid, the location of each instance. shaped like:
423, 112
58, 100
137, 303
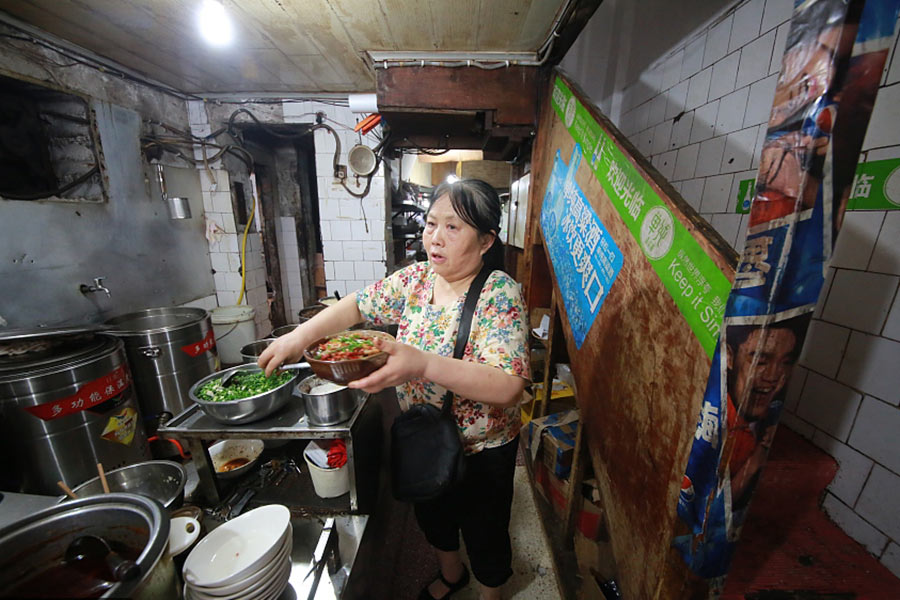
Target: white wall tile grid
344, 220
353, 232
845, 393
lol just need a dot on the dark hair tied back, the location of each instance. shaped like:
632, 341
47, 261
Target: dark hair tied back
477, 203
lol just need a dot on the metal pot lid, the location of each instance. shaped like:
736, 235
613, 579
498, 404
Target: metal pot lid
22, 354
13, 335
155, 320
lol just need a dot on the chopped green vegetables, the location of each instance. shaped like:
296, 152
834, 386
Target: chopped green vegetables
242, 385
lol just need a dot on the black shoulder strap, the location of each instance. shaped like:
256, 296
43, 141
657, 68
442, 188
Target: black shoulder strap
465, 322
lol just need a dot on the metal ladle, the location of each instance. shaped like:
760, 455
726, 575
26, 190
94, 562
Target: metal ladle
290, 367
94, 548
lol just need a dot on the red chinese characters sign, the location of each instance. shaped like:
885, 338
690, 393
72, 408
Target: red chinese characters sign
198, 348
88, 396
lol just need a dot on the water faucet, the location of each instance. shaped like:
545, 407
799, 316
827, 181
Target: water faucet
97, 287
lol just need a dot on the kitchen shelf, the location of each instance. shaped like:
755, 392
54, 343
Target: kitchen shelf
362, 434
288, 423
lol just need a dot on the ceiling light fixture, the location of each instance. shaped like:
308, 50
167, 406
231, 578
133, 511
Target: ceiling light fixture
215, 24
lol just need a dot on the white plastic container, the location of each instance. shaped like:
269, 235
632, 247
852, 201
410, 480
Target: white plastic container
234, 328
328, 483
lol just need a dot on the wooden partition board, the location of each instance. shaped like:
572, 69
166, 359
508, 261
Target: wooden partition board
641, 369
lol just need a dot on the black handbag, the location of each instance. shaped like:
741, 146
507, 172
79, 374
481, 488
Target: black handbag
427, 457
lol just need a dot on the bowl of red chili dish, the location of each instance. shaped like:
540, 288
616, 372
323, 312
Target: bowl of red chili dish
346, 356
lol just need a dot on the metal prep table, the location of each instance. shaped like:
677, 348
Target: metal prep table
328, 532
362, 434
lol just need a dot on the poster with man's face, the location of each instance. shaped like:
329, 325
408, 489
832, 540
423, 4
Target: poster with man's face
759, 365
831, 69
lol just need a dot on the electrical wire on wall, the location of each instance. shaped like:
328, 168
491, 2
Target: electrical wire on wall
180, 143
48, 55
22, 40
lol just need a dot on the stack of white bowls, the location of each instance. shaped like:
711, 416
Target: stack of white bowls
247, 558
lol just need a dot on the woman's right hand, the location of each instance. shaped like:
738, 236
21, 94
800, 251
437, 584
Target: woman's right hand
284, 350
289, 348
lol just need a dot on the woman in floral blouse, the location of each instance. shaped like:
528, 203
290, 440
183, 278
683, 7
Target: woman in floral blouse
425, 300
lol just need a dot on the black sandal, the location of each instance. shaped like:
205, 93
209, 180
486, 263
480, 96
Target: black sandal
454, 587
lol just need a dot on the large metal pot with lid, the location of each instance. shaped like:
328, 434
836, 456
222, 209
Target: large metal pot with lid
168, 349
33, 551
66, 403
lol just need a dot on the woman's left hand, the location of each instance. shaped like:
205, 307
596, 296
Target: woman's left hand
403, 364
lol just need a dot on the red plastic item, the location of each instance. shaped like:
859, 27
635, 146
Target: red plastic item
371, 118
337, 454
369, 126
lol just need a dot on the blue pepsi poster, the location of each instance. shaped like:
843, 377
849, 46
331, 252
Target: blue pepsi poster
806, 172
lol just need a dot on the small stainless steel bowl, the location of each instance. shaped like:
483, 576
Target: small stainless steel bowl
308, 312
245, 410
329, 408
250, 352
162, 480
284, 329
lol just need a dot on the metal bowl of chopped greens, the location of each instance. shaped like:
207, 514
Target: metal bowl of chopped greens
248, 396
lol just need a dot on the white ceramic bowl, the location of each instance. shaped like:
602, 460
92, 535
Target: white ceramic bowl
254, 581
238, 548
221, 453
274, 585
269, 587
279, 572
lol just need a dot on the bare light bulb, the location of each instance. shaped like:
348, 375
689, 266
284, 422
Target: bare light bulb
215, 24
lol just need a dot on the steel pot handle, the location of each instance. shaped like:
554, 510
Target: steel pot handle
151, 351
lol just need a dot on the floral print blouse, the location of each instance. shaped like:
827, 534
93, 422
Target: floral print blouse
498, 337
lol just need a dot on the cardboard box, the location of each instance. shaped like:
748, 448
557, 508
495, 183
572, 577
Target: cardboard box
541, 423
558, 448
590, 518
557, 440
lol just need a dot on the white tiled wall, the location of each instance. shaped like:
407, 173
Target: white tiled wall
225, 239
353, 231
845, 395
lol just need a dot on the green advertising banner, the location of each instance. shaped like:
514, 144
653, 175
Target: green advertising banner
693, 280
876, 186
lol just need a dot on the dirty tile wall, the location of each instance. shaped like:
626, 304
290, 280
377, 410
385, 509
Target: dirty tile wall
699, 114
223, 237
353, 231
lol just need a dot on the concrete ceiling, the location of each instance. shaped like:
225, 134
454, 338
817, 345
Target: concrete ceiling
285, 46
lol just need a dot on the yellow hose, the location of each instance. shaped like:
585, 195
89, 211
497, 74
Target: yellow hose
244, 244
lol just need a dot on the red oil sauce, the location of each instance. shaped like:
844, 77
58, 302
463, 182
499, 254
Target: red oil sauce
233, 464
88, 577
